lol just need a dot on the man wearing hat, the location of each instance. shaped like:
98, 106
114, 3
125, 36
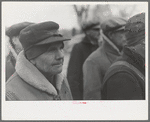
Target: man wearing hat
98, 62
39, 66
79, 53
125, 79
14, 46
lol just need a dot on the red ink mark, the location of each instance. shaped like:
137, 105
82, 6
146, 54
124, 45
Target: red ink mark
79, 102
145, 64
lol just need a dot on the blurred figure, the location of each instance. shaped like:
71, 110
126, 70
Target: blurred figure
125, 79
98, 62
39, 65
79, 53
14, 46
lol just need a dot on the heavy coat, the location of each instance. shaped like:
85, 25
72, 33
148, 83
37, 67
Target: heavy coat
95, 68
79, 53
28, 83
10, 65
125, 79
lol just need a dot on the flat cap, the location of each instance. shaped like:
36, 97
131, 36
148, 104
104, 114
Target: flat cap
36, 35
90, 25
113, 24
15, 29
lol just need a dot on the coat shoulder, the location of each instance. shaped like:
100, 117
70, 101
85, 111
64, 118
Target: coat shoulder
97, 57
80, 46
120, 68
121, 76
13, 79
19, 90
123, 85
13, 85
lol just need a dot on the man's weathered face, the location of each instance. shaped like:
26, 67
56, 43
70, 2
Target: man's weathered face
51, 61
119, 38
93, 34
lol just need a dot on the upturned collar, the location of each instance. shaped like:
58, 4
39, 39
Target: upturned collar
30, 74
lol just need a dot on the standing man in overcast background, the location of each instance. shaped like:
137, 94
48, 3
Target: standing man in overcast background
125, 79
15, 46
99, 61
39, 66
79, 54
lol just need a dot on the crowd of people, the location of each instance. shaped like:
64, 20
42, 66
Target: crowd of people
108, 64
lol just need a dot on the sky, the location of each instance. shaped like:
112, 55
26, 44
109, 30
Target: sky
62, 13
39, 12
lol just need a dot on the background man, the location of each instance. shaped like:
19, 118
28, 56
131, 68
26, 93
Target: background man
99, 61
39, 66
125, 79
79, 53
15, 46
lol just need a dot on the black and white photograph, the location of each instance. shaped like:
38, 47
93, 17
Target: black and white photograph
74, 60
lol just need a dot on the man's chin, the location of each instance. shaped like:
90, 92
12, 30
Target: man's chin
58, 71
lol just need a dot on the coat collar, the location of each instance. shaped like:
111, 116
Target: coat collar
131, 55
110, 46
30, 74
86, 40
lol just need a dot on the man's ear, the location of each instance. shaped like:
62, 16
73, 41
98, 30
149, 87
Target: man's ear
110, 35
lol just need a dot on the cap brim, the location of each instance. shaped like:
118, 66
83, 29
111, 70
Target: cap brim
52, 40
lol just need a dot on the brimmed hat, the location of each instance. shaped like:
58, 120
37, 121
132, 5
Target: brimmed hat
36, 37
15, 29
113, 24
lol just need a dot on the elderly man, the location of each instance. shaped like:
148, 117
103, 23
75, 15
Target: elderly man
39, 66
99, 61
79, 54
14, 47
125, 79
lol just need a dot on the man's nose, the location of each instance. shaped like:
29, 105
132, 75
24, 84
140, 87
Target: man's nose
60, 54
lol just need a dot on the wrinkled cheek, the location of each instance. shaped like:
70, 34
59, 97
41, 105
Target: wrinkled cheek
48, 61
55, 70
48, 68
51, 58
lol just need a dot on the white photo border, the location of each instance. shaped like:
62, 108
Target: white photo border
74, 110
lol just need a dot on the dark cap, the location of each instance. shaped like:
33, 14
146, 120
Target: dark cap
113, 24
136, 23
15, 29
135, 28
37, 35
90, 25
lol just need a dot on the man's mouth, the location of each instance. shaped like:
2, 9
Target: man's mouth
58, 64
